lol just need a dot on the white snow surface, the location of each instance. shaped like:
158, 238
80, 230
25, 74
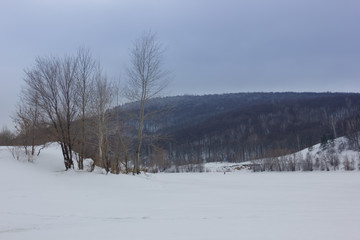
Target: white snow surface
41, 201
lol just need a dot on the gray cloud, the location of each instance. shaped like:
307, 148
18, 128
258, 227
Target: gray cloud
212, 46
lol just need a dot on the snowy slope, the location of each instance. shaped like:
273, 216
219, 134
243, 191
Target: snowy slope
339, 147
41, 201
336, 155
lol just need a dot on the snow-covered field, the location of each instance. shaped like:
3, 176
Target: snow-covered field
41, 201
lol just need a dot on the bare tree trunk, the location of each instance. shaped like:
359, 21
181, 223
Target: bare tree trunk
136, 169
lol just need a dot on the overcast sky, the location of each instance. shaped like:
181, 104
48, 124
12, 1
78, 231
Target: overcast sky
212, 46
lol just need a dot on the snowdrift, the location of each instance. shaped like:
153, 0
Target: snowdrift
42, 201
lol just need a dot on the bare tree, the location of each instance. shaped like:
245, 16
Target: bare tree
68, 102
53, 80
6, 137
29, 125
307, 163
146, 80
120, 145
84, 86
103, 97
349, 163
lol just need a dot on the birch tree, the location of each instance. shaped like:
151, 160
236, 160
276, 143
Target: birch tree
103, 97
146, 80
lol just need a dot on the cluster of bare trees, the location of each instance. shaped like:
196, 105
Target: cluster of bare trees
53, 99
328, 158
69, 98
6, 137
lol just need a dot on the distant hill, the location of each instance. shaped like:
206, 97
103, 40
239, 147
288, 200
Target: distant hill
243, 126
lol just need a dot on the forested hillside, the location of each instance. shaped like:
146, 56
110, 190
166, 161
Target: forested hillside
242, 126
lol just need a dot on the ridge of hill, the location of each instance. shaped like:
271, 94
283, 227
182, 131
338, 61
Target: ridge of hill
243, 126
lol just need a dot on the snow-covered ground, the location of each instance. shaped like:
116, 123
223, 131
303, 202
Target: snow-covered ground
41, 201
